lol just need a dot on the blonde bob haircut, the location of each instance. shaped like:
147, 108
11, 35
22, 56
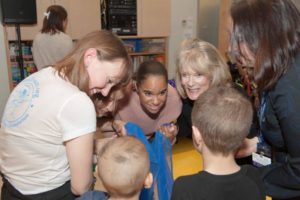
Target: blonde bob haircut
203, 58
109, 48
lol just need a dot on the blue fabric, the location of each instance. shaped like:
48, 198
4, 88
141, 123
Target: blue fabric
160, 154
262, 146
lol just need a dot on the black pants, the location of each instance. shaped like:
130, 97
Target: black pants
8, 192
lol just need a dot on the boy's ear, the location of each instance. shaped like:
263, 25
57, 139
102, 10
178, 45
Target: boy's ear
148, 181
197, 137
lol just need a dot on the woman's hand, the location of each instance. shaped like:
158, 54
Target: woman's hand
247, 148
170, 132
109, 127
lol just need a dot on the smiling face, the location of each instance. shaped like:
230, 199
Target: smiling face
194, 84
103, 74
153, 93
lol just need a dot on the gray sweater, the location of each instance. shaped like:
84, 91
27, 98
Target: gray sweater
48, 49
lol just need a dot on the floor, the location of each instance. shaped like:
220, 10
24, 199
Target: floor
186, 160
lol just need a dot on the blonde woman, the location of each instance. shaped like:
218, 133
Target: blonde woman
199, 66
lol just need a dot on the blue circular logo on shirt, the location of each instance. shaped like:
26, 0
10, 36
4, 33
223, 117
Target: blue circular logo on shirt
20, 102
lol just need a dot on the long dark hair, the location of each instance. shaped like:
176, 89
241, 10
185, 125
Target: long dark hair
54, 19
270, 29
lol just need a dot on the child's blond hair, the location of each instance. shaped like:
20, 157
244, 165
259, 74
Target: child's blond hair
123, 166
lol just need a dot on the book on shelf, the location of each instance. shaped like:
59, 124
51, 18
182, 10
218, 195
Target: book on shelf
153, 45
146, 45
132, 45
28, 64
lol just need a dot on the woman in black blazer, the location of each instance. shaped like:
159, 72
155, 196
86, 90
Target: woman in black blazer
266, 35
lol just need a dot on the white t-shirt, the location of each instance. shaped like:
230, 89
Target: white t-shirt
48, 49
42, 112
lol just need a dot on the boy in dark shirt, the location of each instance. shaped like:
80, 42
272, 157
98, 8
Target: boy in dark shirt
221, 119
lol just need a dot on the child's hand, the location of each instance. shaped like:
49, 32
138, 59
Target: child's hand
119, 127
170, 131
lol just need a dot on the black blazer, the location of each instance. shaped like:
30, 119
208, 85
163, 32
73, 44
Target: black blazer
281, 129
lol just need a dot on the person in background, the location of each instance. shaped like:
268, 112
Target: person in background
153, 105
123, 170
221, 119
52, 43
265, 34
199, 66
46, 135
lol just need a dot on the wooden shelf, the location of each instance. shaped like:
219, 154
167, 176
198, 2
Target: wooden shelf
24, 57
146, 48
145, 53
25, 62
140, 37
